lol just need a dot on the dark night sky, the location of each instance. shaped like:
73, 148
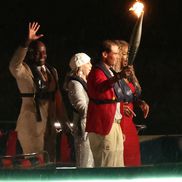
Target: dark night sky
72, 26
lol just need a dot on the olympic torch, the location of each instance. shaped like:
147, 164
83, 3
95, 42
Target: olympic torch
135, 38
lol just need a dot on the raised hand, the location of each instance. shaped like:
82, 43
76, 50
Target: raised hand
32, 33
33, 28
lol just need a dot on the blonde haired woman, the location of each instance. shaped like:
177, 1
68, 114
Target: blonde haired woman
131, 90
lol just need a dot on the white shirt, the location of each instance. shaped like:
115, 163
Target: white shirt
118, 114
41, 67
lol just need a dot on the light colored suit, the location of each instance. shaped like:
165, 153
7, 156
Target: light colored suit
30, 132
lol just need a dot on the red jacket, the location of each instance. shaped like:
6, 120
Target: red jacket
100, 116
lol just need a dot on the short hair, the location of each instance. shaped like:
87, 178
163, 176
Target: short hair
34, 45
106, 46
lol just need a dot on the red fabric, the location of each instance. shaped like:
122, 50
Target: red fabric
65, 149
40, 159
11, 143
1, 134
131, 144
26, 163
7, 163
100, 116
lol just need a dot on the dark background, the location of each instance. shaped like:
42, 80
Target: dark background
78, 26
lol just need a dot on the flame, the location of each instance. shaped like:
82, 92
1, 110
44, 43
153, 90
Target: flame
137, 8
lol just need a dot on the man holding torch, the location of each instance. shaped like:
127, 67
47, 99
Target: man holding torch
104, 109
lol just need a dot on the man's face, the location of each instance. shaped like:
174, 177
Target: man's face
112, 56
40, 54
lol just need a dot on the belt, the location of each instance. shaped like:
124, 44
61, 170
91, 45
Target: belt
42, 95
117, 121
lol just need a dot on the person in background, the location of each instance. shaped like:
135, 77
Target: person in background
42, 103
131, 91
76, 86
104, 109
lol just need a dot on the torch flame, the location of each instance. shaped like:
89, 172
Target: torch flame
137, 8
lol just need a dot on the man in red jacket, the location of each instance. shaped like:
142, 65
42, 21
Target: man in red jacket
104, 110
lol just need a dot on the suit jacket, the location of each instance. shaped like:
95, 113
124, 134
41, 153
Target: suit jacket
30, 132
100, 117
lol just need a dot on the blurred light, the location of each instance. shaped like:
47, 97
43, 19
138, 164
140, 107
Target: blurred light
57, 126
137, 8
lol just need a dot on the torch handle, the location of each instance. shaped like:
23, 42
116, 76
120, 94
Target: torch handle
135, 40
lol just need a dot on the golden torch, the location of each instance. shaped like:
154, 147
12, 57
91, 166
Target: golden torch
134, 42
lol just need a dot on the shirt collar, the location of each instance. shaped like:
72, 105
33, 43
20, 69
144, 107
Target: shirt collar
39, 67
